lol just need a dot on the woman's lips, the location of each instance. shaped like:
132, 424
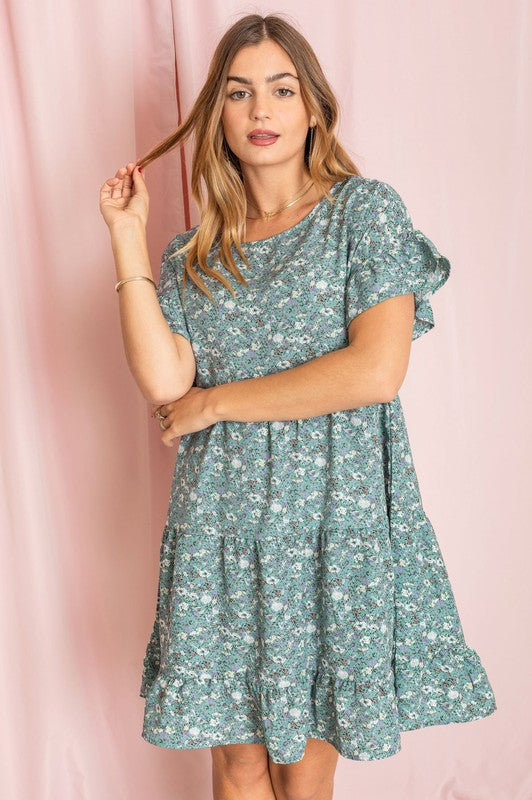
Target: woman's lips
262, 140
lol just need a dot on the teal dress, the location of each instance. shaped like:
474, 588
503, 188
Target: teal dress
302, 591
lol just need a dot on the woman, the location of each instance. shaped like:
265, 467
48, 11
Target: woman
304, 610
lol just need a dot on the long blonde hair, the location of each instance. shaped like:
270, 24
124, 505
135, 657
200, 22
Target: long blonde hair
222, 216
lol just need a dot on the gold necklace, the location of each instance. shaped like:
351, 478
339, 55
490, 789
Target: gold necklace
269, 214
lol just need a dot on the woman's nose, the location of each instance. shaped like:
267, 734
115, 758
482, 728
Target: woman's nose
259, 108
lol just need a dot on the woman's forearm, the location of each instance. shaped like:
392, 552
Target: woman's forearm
149, 344
337, 381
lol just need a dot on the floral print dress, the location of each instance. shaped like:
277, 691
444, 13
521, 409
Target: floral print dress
302, 591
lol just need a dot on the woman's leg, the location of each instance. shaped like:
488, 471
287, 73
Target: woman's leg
311, 778
240, 772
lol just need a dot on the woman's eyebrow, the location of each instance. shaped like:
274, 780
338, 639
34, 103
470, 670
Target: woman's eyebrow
269, 78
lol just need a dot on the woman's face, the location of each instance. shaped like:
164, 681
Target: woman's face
254, 102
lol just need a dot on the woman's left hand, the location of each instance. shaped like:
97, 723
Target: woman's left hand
192, 412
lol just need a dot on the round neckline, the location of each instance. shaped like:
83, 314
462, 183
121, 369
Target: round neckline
306, 218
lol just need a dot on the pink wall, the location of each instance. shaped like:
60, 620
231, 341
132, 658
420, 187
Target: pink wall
436, 100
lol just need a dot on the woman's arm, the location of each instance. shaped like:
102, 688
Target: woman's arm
154, 359
369, 370
336, 381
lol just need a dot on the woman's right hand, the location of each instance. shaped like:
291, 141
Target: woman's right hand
125, 198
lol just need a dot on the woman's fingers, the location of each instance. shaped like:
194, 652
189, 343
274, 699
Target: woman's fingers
139, 185
116, 192
113, 183
122, 185
126, 189
105, 191
128, 179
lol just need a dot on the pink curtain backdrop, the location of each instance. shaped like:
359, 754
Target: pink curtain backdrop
436, 100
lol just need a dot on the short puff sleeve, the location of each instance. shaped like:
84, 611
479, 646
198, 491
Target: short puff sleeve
168, 291
392, 258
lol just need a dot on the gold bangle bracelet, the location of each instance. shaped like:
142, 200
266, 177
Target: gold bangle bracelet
134, 278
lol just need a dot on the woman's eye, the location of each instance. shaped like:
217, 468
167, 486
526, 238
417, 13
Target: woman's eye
243, 91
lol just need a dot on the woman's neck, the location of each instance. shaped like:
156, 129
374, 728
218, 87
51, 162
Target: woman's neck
262, 229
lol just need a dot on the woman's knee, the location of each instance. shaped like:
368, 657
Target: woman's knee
311, 778
241, 761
